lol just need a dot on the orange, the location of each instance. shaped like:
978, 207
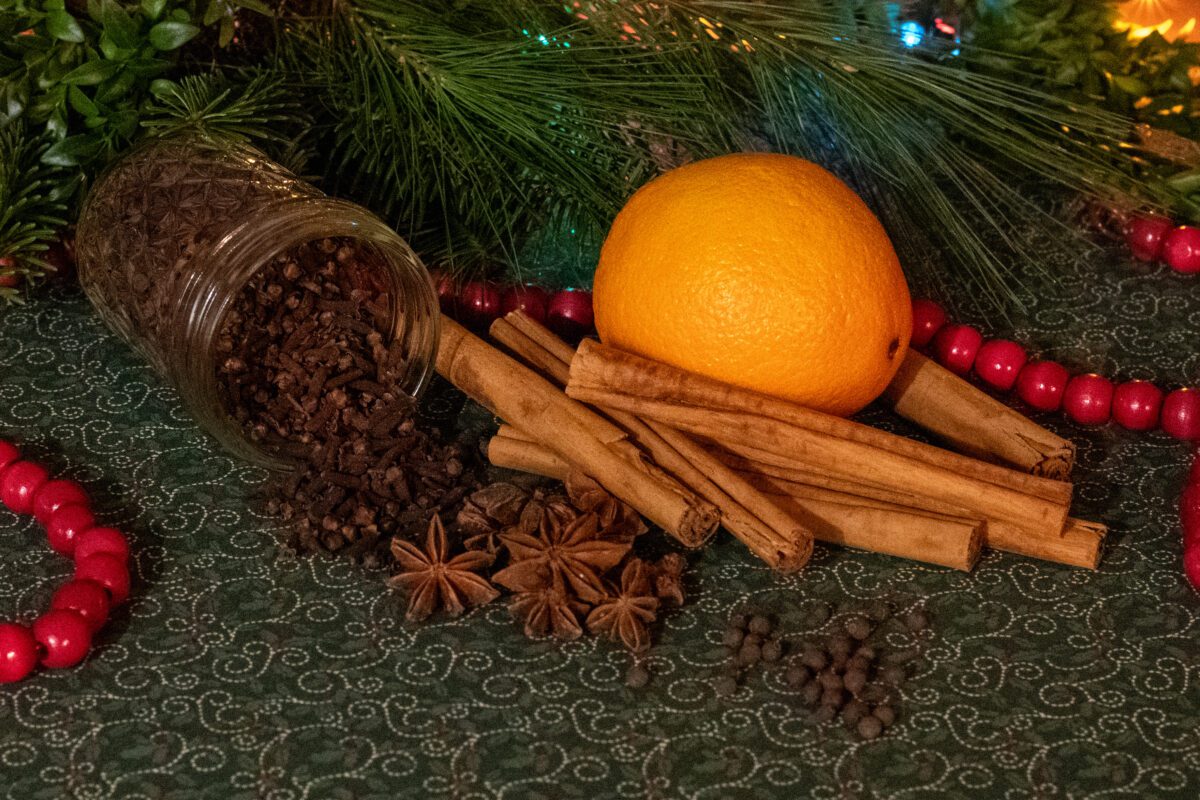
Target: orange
760, 270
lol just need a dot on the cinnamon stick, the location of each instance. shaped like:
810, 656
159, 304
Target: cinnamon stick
850, 458
1079, 544
973, 422
779, 538
525, 399
597, 368
948, 541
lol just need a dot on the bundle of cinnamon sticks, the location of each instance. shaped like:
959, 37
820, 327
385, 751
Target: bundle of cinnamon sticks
691, 453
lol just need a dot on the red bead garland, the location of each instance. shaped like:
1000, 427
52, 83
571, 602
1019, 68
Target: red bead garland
476, 304
63, 635
1085, 399
1156, 238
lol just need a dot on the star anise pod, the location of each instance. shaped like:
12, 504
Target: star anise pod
435, 581
618, 519
668, 579
489, 511
545, 606
575, 555
627, 614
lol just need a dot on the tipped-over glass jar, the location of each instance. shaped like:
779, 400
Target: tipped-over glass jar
173, 233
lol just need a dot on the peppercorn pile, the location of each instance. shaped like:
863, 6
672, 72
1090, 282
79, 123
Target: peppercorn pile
849, 674
308, 371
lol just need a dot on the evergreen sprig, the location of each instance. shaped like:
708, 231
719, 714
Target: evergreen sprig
489, 131
32, 207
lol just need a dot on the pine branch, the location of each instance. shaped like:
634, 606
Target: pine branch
32, 206
258, 108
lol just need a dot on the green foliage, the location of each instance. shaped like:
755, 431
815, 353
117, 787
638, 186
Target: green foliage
85, 75
503, 135
32, 206
1073, 48
1073, 43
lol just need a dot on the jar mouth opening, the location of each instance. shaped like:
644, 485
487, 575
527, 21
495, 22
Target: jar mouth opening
404, 311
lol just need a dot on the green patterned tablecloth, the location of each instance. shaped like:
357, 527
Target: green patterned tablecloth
240, 672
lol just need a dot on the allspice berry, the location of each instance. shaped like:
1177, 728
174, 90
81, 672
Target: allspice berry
833, 697
725, 686
855, 681
637, 676
797, 675
916, 620
811, 693
738, 621
830, 679
854, 711
733, 637
772, 651
893, 675
754, 639
840, 646
866, 652
814, 659
826, 713
749, 655
885, 714
760, 625
869, 728
858, 664
858, 627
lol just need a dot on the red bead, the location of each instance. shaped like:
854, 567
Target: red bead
56, 494
1145, 237
1136, 404
1191, 565
19, 482
88, 599
106, 570
1181, 249
1088, 399
65, 526
956, 347
18, 652
928, 319
1041, 384
998, 363
569, 313
8, 454
528, 298
65, 638
1181, 414
447, 293
101, 540
479, 304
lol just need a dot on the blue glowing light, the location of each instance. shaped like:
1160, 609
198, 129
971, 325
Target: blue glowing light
912, 33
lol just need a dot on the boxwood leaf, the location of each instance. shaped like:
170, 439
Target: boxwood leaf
63, 26
172, 35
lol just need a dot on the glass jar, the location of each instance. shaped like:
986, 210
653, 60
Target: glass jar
172, 233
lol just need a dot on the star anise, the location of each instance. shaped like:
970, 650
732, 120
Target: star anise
618, 519
627, 614
668, 579
575, 554
544, 604
489, 511
435, 581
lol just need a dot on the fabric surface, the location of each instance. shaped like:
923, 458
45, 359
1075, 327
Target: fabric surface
238, 671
